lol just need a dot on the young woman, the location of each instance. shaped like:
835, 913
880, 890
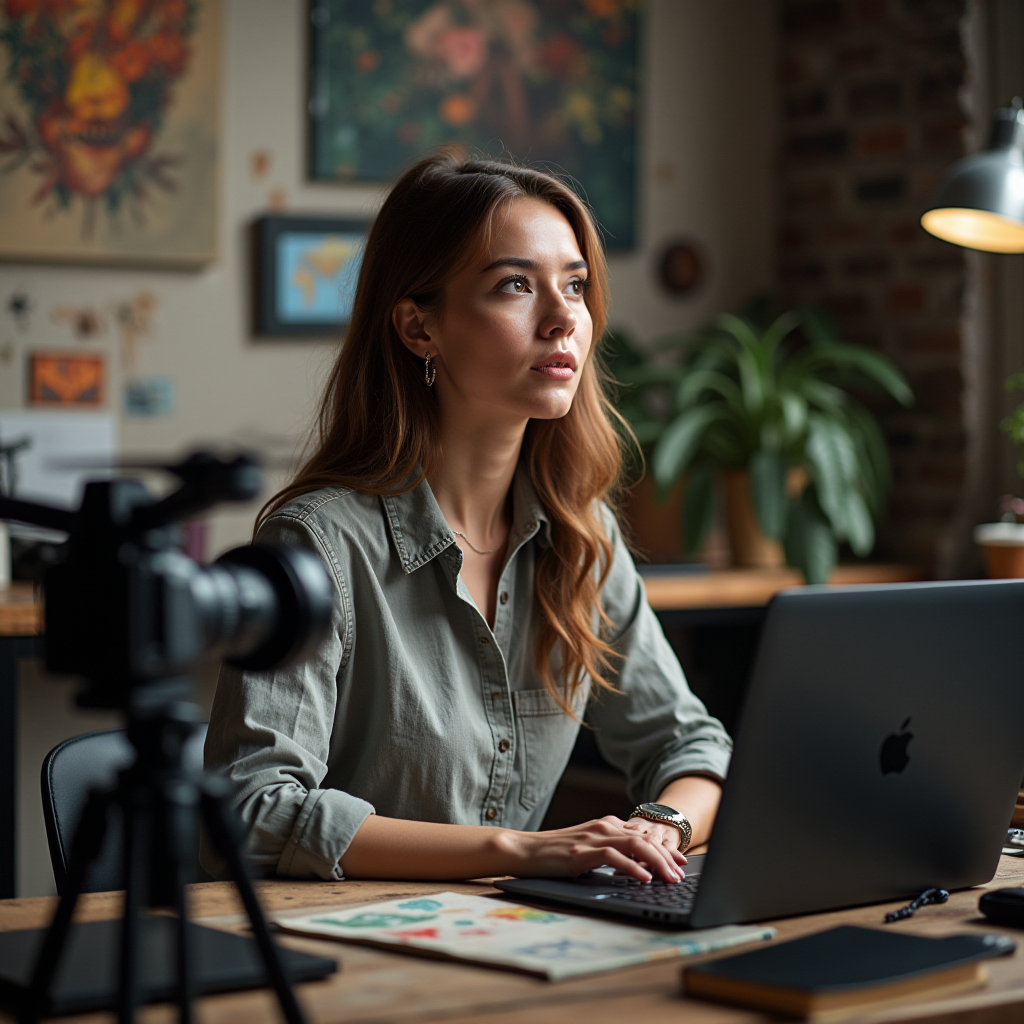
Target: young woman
484, 594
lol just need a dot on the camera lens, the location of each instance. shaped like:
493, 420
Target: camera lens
264, 605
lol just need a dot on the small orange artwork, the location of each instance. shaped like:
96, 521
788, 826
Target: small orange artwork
68, 379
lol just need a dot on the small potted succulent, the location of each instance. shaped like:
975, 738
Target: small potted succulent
765, 413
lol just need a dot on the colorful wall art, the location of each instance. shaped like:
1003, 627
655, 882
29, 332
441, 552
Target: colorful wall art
108, 131
66, 379
307, 270
543, 81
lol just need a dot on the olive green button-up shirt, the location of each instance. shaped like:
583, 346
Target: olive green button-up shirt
415, 708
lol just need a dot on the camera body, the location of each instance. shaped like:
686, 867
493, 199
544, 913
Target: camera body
125, 607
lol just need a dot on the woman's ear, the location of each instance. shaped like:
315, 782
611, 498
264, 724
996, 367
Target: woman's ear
410, 322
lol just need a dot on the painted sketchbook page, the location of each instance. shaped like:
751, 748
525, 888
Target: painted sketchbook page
500, 934
109, 131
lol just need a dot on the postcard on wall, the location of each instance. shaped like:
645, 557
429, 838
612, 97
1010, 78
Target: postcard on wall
109, 120
66, 379
502, 934
545, 82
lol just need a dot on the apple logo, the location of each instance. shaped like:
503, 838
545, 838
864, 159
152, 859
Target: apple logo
894, 756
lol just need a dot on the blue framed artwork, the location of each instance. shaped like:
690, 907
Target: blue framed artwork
307, 271
548, 82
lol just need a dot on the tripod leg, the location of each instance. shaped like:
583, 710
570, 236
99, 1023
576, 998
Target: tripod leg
135, 880
85, 847
182, 812
217, 818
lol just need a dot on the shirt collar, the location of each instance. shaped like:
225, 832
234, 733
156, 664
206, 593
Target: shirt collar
420, 532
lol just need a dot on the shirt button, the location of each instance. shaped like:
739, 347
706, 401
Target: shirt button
484, 640
504, 597
504, 745
491, 814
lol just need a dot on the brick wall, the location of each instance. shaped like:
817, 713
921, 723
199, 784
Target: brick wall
871, 118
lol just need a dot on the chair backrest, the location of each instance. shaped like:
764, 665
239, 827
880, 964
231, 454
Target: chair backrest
69, 771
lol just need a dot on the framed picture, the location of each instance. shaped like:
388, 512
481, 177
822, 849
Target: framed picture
306, 274
551, 82
109, 126
67, 379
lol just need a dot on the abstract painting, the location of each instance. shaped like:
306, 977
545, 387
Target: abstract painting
307, 269
549, 82
108, 130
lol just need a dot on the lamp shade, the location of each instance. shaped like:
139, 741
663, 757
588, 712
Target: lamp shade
980, 202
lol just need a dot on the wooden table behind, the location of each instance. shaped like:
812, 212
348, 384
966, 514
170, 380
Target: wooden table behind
379, 987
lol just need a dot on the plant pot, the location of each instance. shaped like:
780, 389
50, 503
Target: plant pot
655, 529
751, 549
1002, 546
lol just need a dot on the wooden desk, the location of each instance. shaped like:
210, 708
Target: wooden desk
754, 588
378, 987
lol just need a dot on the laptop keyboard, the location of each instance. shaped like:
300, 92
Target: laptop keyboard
676, 896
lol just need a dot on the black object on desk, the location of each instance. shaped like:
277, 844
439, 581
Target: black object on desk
844, 967
88, 975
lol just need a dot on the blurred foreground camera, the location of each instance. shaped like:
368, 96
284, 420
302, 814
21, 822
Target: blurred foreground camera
127, 610
125, 606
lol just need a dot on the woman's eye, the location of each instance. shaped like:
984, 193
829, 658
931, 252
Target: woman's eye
514, 285
577, 286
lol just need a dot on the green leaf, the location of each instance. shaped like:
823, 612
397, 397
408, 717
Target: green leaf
833, 458
646, 431
767, 471
794, 413
697, 381
680, 442
875, 368
778, 330
698, 506
810, 544
860, 528
739, 329
819, 326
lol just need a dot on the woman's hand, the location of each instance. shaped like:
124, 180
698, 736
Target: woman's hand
668, 835
639, 853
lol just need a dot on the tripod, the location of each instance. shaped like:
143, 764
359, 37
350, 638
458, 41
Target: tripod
161, 803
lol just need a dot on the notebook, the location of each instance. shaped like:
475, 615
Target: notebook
846, 970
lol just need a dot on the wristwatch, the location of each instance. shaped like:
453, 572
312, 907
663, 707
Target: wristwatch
668, 816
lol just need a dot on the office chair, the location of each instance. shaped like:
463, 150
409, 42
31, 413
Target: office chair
69, 771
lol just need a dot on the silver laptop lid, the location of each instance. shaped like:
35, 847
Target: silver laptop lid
880, 750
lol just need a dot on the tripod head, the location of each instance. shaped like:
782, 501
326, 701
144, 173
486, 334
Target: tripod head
131, 613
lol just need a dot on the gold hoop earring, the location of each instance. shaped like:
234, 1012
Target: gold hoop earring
429, 371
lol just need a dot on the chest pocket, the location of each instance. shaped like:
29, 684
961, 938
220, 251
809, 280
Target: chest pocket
546, 737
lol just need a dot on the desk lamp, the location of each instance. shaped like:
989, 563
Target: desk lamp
980, 201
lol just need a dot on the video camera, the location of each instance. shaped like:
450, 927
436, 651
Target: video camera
129, 612
125, 607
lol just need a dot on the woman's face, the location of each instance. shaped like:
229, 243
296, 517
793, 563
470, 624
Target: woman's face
515, 332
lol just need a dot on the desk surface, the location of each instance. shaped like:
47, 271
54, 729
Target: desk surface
753, 588
22, 615
378, 987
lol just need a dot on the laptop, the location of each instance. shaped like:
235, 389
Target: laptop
880, 752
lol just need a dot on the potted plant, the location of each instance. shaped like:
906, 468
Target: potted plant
770, 417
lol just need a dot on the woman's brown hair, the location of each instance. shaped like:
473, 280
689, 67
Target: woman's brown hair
378, 424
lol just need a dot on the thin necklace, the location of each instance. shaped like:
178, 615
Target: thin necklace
489, 551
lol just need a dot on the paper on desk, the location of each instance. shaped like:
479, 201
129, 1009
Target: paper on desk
494, 932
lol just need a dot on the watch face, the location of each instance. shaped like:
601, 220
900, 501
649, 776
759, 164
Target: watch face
669, 812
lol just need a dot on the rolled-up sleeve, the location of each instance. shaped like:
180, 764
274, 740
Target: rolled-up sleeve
654, 729
270, 732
